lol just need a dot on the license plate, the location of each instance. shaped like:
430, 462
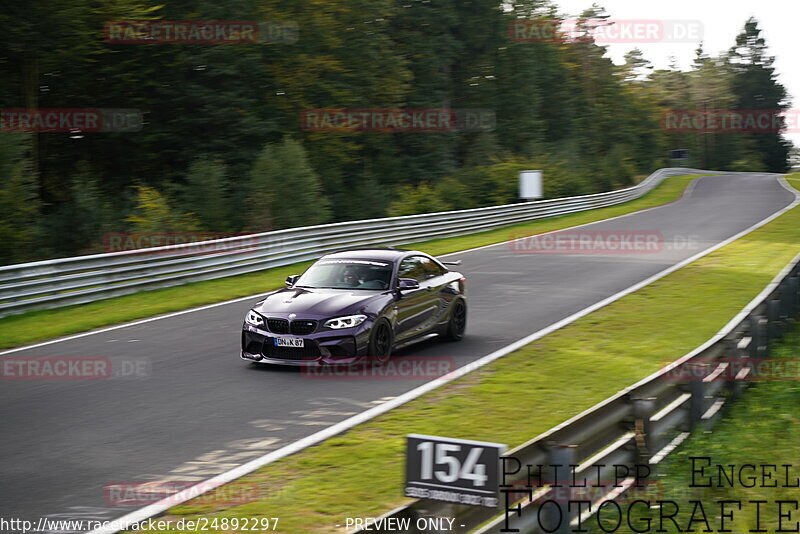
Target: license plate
296, 342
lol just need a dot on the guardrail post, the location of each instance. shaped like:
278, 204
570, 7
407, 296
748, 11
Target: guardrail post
731, 352
794, 286
643, 409
758, 331
561, 458
773, 320
697, 388
790, 298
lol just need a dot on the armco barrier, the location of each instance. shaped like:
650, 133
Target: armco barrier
81, 279
643, 423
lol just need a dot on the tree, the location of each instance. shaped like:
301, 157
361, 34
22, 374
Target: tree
411, 200
19, 200
44, 43
710, 89
152, 213
79, 223
221, 122
636, 68
755, 86
205, 195
285, 192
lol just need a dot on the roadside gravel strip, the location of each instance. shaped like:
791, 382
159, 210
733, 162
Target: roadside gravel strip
203, 399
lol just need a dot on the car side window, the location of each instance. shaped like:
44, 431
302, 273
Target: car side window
432, 268
413, 268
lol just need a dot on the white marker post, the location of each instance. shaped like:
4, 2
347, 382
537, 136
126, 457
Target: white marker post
530, 185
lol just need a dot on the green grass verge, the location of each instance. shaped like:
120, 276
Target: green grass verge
760, 429
360, 473
48, 324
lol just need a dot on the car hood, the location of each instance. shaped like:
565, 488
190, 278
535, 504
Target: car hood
318, 303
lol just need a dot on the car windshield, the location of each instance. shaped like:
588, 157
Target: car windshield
347, 274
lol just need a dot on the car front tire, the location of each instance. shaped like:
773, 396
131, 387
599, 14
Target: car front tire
381, 341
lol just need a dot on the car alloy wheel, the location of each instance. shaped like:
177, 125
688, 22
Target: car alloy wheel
458, 321
380, 348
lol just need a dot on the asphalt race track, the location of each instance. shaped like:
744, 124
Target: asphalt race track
192, 409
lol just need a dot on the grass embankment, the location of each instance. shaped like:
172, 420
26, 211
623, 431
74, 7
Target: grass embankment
360, 473
48, 324
760, 429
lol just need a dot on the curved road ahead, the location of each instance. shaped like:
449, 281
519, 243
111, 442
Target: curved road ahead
193, 409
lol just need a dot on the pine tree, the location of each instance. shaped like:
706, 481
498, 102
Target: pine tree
756, 87
205, 195
19, 200
285, 192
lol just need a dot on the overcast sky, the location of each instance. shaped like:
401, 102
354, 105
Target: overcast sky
722, 20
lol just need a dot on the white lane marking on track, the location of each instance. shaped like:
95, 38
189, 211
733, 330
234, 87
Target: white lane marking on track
689, 190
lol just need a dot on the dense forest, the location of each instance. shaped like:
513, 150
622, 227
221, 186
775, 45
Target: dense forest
222, 149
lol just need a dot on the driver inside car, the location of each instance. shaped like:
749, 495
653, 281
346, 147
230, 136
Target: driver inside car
350, 278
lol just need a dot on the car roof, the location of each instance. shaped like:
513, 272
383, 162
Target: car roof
377, 253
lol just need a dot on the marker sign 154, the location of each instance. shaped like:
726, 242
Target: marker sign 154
452, 470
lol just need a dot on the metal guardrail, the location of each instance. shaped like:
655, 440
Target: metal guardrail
82, 279
641, 424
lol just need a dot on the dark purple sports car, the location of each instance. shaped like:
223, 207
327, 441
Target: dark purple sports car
354, 305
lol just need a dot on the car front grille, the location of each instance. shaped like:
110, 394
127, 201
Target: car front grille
309, 352
303, 327
278, 326
282, 326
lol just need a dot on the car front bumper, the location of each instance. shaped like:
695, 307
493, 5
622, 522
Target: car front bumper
326, 347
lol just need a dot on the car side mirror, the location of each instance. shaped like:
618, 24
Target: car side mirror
290, 280
407, 283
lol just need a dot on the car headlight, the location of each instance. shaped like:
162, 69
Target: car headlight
348, 321
254, 319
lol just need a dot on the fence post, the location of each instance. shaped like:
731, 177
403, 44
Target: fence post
697, 388
646, 443
758, 329
731, 352
797, 288
773, 321
791, 294
561, 458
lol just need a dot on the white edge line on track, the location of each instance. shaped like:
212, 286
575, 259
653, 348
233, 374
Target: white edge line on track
689, 190
137, 322
244, 469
